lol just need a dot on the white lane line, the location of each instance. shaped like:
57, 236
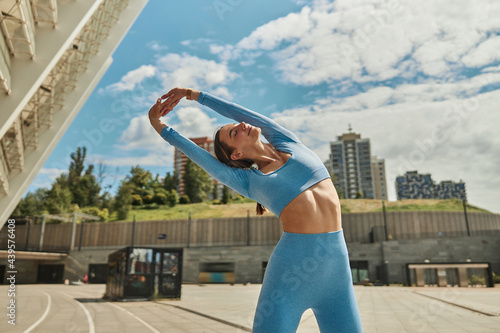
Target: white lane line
42, 318
133, 315
87, 313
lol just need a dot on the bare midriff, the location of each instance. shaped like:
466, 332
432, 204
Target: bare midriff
314, 211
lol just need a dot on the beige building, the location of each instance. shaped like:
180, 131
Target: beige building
379, 178
180, 160
52, 55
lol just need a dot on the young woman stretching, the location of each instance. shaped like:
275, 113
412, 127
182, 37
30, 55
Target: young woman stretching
309, 267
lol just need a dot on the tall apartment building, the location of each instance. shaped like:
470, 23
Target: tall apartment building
180, 160
421, 186
379, 178
52, 55
414, 186
448, 189
351, 164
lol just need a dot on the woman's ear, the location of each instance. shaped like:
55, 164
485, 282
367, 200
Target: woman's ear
236, 155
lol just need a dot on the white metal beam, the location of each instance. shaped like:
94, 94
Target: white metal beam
74, 101
28, 75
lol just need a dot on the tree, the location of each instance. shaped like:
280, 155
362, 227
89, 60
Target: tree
215, 191
197, 183
141, 181
171, 181
106, 202
84, 187
226, 196
59, 196
32, 204
359, 194
123, 200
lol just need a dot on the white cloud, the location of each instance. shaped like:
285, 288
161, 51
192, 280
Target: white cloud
172, 70
52, 173
130, 80
46, 177
184, 70
140, 135
156, 46
162, 158
194, 122
374, 40
485, 53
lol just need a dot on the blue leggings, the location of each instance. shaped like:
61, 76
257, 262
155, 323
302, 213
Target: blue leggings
308, 271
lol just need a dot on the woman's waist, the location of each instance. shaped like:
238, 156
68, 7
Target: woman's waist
321, 246
316, 210
311, 223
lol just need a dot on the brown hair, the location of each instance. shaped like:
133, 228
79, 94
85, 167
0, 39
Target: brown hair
223, 153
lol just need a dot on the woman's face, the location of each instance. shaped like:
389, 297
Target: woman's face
240, 137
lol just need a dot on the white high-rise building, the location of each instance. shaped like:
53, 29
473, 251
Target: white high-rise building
53, 54
355, 171
379, 178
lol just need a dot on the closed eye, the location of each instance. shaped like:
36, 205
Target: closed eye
232, 132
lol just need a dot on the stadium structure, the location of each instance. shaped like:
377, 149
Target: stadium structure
53, 54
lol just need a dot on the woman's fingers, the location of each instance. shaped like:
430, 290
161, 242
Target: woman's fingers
170, 94
170, 100
166, 95
165, 110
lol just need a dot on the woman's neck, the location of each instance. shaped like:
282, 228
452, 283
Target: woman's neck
266, 155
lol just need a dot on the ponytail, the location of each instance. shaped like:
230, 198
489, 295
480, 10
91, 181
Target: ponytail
260, 209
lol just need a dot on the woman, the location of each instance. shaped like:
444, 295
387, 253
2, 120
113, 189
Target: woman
309, 267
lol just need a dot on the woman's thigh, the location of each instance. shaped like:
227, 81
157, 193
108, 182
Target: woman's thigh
280, 304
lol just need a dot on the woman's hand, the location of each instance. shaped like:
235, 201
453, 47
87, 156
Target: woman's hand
156, 111
154, 117
171, 99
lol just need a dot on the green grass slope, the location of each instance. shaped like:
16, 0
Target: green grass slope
244, 207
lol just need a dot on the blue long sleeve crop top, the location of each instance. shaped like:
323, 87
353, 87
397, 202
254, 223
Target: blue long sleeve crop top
274, 190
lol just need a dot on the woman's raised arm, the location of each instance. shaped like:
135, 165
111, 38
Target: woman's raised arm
170, 100
232, 177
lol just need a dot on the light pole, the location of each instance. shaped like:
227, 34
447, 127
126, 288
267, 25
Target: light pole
466, 218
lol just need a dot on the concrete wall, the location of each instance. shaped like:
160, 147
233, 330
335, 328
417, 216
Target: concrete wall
396, 254
367, 252
393, 255
248, 261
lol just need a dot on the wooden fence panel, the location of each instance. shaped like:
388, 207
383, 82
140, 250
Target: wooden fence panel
264, 230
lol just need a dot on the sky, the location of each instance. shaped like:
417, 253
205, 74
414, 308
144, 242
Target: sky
420, 79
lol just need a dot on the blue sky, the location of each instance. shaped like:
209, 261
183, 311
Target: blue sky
421, 80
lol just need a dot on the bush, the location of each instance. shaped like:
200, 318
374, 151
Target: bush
160, 199
496, 278
475, 280
184, 200
136, 200
147, 199
74, 209
122, 212
102, 213
161, 190
172, 198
